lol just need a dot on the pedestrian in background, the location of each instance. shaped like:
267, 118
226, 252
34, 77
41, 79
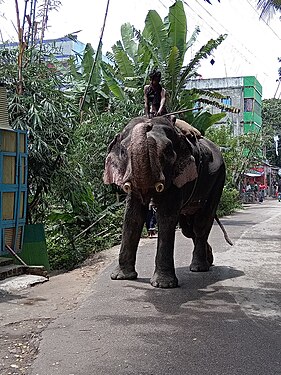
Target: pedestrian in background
279, 190
151, 219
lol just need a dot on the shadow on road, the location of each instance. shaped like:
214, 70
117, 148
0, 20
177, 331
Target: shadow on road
193, 287
7, 296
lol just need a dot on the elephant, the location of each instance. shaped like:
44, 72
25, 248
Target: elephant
184, 173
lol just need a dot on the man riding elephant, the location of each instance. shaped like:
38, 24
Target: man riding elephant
155, 96
155, 104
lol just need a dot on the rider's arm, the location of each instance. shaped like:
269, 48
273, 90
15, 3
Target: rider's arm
146, 106
162, 102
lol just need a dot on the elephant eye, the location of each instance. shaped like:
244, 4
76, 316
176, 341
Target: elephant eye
169, 155
123, 153
169, 150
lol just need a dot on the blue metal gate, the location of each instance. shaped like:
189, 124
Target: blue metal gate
13, 188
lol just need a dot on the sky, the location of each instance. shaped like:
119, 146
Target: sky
252, 46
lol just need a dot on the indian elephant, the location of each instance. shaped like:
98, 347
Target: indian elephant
184, 173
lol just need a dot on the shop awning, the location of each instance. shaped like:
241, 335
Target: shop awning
253, 173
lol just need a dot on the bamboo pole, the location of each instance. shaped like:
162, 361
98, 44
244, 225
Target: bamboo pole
82, 102
16, 255
20, 54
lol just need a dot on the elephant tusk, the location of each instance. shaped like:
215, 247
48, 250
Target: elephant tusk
127, 187
159, 187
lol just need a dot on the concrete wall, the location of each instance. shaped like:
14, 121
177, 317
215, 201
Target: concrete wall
230, 87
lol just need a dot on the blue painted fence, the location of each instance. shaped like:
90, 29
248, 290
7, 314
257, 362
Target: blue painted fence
13, 188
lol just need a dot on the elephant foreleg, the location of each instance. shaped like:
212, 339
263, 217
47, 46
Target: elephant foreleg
134, 218
164, 275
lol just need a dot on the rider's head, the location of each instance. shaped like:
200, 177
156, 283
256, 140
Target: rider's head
155, 76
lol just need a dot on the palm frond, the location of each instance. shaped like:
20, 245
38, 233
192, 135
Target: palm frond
268, 8
221, 106
204, 52
173, 70
146, 51
112, 82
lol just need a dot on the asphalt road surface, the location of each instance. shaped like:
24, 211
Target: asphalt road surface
223, 322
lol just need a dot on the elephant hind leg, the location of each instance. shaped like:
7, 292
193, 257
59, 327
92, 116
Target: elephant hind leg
202, 258
210, 256
186, 225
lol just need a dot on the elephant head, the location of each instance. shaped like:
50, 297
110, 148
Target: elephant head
149, 154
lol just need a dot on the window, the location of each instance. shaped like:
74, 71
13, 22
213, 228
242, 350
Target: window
257, 108
248, 104
196, 107
226, 101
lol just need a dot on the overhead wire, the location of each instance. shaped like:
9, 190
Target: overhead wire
206, 24
251, 5
247, 50
228, 32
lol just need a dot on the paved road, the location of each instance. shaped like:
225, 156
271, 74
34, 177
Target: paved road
224, 322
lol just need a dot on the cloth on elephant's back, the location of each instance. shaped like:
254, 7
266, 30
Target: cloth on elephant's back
187, 129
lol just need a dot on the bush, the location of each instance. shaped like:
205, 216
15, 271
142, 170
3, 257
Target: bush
229, 202
69, 245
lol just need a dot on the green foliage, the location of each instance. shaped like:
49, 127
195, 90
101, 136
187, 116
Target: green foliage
87, 76
240, 152
204, 120
229, 203
162, 44
67, 149
85, 215
47, 112
68, 247
271, 119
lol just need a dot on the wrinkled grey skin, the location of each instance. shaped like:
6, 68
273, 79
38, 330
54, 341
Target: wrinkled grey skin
192, 172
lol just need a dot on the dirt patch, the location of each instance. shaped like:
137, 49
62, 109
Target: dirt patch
24, 314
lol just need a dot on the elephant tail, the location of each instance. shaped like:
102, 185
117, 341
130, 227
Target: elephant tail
224, 231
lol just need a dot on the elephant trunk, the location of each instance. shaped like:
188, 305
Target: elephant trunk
144, 170
139, 152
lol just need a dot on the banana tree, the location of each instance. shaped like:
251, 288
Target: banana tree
97, 97
162, 44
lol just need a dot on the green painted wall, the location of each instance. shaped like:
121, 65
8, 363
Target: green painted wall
252, 90
251, 81
34, 250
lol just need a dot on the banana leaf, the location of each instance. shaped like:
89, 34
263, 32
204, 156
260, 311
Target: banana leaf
130, 46
125, 65
158, 35
177, 28
204, 120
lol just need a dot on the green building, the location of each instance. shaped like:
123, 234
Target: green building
244, 93
252, 92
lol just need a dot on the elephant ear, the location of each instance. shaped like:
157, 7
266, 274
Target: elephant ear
185, 169
114, 169
211, 155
